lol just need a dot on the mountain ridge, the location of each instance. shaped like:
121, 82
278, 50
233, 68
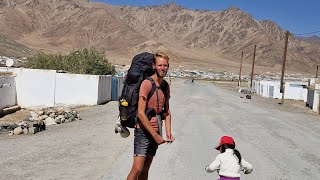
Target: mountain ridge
202, 39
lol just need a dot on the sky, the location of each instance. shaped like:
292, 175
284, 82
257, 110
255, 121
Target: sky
300, 17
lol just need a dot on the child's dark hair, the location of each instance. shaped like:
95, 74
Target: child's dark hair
231, 146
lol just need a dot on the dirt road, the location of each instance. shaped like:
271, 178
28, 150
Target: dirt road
280, 142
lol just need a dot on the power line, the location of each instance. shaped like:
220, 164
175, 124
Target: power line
313, 32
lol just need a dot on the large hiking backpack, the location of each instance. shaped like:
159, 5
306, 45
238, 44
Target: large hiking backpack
140, 69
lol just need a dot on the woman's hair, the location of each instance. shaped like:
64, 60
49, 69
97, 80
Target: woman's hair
231, 146
162, 55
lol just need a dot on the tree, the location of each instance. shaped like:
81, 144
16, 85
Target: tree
85, 61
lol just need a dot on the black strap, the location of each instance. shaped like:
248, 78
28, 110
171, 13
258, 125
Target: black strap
154, 89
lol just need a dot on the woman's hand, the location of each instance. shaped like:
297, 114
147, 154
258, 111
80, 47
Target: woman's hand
170, 138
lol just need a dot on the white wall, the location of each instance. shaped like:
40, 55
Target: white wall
47, 88
305, 95
316, 98
7, 91
35, 87
266, 86
294, 90
77, 89
255, 86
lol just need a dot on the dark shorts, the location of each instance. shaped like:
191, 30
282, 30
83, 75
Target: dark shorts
144, 143
228, 178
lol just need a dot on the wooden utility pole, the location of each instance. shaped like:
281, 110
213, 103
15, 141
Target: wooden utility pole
284, 66
239, 83
254, 57
317, 71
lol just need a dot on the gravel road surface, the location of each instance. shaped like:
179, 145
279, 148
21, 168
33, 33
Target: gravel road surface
281, 142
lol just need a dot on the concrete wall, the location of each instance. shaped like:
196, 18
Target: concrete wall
47, 88
315, 107
295, 90
271, 89
8, 96
79, 89
255, 86
35, 87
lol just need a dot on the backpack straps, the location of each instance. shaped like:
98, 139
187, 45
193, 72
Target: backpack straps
153, 87
164, 87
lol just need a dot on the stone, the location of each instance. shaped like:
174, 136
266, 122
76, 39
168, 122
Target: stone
78, 116
25, 130
34, 115
23, 124
57, 120
17, 131
49, 121
71, 118
50, 111
34, 124
11, 133
40, 113
32, 130
53, 115
60, 110
43, 117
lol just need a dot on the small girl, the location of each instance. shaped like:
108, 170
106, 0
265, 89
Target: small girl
229, 163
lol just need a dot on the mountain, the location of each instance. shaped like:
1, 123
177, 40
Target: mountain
195, 39
223, 33
14, 49
312, 39
60, 26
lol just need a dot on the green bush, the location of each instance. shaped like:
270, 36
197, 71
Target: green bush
85, 61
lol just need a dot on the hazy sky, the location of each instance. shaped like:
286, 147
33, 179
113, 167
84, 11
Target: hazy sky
297, 16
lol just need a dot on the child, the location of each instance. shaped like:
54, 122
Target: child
229, 163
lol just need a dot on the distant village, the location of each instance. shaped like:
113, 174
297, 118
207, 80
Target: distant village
223, 76
11, 61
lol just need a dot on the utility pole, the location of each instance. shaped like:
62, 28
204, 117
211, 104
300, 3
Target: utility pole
254, 56
284, 66
239, 83
317, 71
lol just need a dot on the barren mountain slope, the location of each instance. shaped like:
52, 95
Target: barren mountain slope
226, 33
59, 25
12, 48
192, 38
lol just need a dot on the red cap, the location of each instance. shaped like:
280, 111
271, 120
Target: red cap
225, 140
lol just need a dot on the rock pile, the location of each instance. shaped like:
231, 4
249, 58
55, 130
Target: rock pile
39, 120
